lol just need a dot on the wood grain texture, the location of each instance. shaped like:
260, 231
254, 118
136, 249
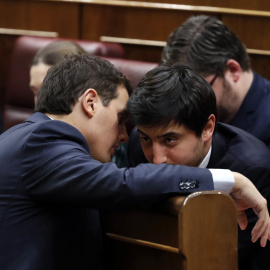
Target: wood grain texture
192, 232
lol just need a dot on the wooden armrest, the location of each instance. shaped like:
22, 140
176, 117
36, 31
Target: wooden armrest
198, 231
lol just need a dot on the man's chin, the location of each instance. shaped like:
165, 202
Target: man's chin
103, 159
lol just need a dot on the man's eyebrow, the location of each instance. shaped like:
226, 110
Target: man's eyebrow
171, 133
168, 134
142, 133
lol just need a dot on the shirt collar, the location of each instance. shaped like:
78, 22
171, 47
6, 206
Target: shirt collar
206, 159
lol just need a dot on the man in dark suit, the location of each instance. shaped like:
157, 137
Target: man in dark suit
56, 173
174, 109
209, 47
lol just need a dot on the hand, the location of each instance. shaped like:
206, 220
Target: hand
246, 196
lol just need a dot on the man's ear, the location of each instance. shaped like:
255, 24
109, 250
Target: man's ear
233, 70
209, 128
89, 102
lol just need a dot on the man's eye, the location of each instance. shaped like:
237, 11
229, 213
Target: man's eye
122, 118
120, 121
169, 140
145, 139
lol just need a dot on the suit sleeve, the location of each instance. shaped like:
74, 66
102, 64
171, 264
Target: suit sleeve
64, 172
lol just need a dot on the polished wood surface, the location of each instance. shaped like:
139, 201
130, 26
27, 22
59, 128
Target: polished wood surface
200, 6
145, 20
22, 32
198, 231
62, 18
161, 44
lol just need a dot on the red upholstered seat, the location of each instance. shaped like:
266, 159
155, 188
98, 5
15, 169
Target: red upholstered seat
19, 100
134, 70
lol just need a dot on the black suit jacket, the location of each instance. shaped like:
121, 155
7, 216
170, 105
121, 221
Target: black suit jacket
239, 151
51, 191
253, 115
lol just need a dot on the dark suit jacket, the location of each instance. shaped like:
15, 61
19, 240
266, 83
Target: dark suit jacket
1, 121
51, 191
254, 114
239, 151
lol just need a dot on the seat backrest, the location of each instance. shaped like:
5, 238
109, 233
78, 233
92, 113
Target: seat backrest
133, 69
19, 100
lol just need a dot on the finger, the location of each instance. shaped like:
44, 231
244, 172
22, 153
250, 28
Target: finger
242, 219
264, 241
261, 229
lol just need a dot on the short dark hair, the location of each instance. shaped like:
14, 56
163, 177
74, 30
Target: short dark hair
55, 51
172, 93
205, 44
66, 81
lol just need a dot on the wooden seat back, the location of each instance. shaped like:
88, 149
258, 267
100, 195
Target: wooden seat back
195, 232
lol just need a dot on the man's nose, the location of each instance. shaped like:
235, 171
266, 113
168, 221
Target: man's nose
159, 154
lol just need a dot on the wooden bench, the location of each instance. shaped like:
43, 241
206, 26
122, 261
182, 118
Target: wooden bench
195, 232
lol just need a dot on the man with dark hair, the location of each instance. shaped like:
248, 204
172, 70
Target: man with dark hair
209, 47
174, 109
56, 172
47, 57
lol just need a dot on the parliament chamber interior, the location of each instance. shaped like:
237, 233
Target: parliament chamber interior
185, 232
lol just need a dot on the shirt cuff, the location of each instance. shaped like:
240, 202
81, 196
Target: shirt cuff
223, 180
